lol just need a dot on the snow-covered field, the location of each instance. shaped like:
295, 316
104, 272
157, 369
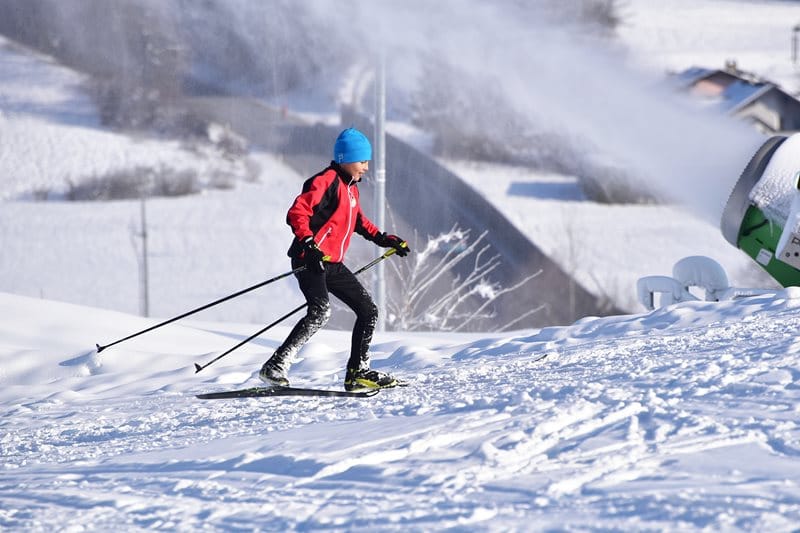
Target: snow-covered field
685, 418
199, 248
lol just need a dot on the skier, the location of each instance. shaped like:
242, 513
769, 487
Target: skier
323, 218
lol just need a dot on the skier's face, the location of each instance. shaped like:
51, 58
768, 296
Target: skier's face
356, 170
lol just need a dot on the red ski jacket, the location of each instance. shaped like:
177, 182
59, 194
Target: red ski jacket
328, 209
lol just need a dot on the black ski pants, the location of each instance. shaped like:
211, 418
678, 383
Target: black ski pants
339, 281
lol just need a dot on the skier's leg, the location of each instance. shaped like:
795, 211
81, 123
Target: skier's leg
314, 288
343, 284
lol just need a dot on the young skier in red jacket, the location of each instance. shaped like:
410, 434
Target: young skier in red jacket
323, 219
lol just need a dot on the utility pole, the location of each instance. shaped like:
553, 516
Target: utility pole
145, 302
380, 183
795, 31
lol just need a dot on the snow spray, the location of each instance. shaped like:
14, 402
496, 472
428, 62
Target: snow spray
559, 72
569, 79
556, 71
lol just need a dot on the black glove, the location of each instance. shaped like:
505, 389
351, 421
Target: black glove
313, 256
393, 241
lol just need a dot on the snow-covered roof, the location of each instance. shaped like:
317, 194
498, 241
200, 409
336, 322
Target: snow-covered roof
736, 90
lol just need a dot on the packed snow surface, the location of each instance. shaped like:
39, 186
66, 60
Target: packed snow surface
682, 419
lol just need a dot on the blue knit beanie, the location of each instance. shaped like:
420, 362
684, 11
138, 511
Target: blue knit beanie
351, 146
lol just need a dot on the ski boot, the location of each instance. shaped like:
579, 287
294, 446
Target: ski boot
274, 373
365, 379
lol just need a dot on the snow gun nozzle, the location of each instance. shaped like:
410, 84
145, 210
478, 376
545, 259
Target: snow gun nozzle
100, 348
762, 215
197, 368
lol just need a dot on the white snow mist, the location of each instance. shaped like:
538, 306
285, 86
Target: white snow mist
565, 76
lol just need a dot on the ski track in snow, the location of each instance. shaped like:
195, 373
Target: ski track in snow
676, 419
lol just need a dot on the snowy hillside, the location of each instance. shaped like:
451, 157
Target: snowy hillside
683, 419
205, 246
50, 134
200, 246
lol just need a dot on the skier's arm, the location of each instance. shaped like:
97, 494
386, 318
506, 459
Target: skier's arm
299, 215
370, 231
365, 227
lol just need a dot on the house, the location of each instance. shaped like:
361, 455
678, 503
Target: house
742, 94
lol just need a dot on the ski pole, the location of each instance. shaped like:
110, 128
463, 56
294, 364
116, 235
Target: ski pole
377, 260
199, 367
193, 311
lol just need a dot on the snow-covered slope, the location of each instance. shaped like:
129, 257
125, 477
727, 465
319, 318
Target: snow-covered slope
683, 419
50, 133
200, 248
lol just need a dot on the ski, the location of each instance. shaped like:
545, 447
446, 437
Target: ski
261, 392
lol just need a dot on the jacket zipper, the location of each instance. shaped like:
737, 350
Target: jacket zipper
350, 200
325, 236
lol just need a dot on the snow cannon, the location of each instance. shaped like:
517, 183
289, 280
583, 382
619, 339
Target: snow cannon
762, 216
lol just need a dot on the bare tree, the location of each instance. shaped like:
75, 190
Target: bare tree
427, 304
